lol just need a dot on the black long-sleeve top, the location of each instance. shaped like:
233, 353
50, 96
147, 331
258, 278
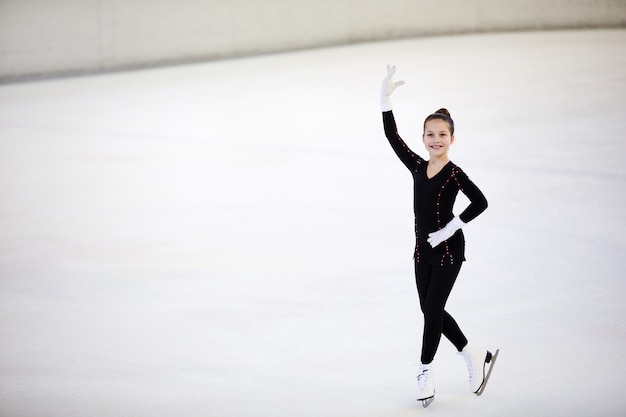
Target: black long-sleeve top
434, 199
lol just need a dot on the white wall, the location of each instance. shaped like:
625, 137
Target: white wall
52, 37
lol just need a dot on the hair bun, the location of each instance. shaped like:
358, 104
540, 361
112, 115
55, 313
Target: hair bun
443, 111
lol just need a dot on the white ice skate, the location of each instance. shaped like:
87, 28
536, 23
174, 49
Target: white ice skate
477, 359
426, 385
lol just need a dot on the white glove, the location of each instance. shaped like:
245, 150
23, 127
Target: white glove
387, 89
435, 238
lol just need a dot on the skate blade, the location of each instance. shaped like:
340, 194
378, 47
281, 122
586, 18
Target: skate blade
426, 401
492, 362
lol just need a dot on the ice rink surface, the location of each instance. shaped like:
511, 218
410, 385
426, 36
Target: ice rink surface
234, 238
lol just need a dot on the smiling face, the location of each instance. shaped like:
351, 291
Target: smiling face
437, 138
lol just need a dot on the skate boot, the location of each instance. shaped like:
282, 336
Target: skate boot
478, 359
425, 385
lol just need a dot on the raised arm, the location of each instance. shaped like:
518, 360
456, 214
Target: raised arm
409, 158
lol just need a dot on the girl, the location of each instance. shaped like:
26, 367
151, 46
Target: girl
440, 246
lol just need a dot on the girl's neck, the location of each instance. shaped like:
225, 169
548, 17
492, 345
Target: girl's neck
439, 161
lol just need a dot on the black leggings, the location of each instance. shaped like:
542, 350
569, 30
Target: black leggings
434, 284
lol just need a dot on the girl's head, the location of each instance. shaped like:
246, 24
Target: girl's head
438, 133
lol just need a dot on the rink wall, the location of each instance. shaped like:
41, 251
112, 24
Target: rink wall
42, 38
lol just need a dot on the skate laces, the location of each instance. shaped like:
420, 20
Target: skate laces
470, 365
422, 377
470, 369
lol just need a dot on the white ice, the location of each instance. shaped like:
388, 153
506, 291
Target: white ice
234, 238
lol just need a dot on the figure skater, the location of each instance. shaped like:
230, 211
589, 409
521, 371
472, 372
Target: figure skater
440, 245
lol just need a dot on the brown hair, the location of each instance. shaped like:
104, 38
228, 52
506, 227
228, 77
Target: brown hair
444, 115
